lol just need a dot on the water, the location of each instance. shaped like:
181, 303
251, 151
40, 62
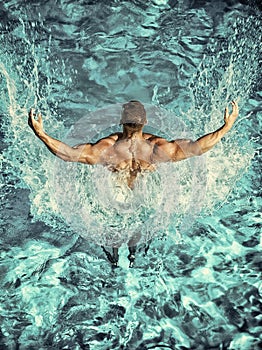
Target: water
199, 287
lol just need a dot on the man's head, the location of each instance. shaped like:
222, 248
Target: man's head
133, 112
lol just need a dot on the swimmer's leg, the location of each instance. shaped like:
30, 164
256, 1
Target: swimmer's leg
132, 246
115, 257
147, 246
131, 257
112, 258
132, 250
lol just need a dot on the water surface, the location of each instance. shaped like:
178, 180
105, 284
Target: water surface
199, 286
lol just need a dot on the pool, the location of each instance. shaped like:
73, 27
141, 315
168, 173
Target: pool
199, 285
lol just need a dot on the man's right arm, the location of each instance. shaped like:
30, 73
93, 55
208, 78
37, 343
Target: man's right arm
81, 153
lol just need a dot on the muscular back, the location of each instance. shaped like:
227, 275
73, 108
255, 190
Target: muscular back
124, 152
131, 155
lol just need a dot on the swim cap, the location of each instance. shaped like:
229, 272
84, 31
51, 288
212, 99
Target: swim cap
133, 112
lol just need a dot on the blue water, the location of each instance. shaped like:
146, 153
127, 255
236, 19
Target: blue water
199, 286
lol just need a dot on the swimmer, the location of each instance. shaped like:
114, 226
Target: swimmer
132, 152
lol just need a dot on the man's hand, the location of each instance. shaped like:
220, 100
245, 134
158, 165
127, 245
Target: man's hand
35, 125
230, 118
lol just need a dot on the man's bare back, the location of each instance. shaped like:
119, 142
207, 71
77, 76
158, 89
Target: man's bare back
133, 151
131, 156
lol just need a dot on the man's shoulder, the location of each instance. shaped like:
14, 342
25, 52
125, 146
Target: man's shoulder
115, 136
109, 140
154, 138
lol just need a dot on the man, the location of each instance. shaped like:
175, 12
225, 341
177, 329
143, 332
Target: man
132, 151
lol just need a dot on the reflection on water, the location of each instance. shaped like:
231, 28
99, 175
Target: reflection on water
199, 286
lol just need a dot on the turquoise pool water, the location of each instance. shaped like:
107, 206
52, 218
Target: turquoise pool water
199, 286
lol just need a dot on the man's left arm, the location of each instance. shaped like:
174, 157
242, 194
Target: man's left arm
188, 148
84, 153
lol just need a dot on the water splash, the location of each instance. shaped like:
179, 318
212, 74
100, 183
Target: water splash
206, 295
81, 197
102, 208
